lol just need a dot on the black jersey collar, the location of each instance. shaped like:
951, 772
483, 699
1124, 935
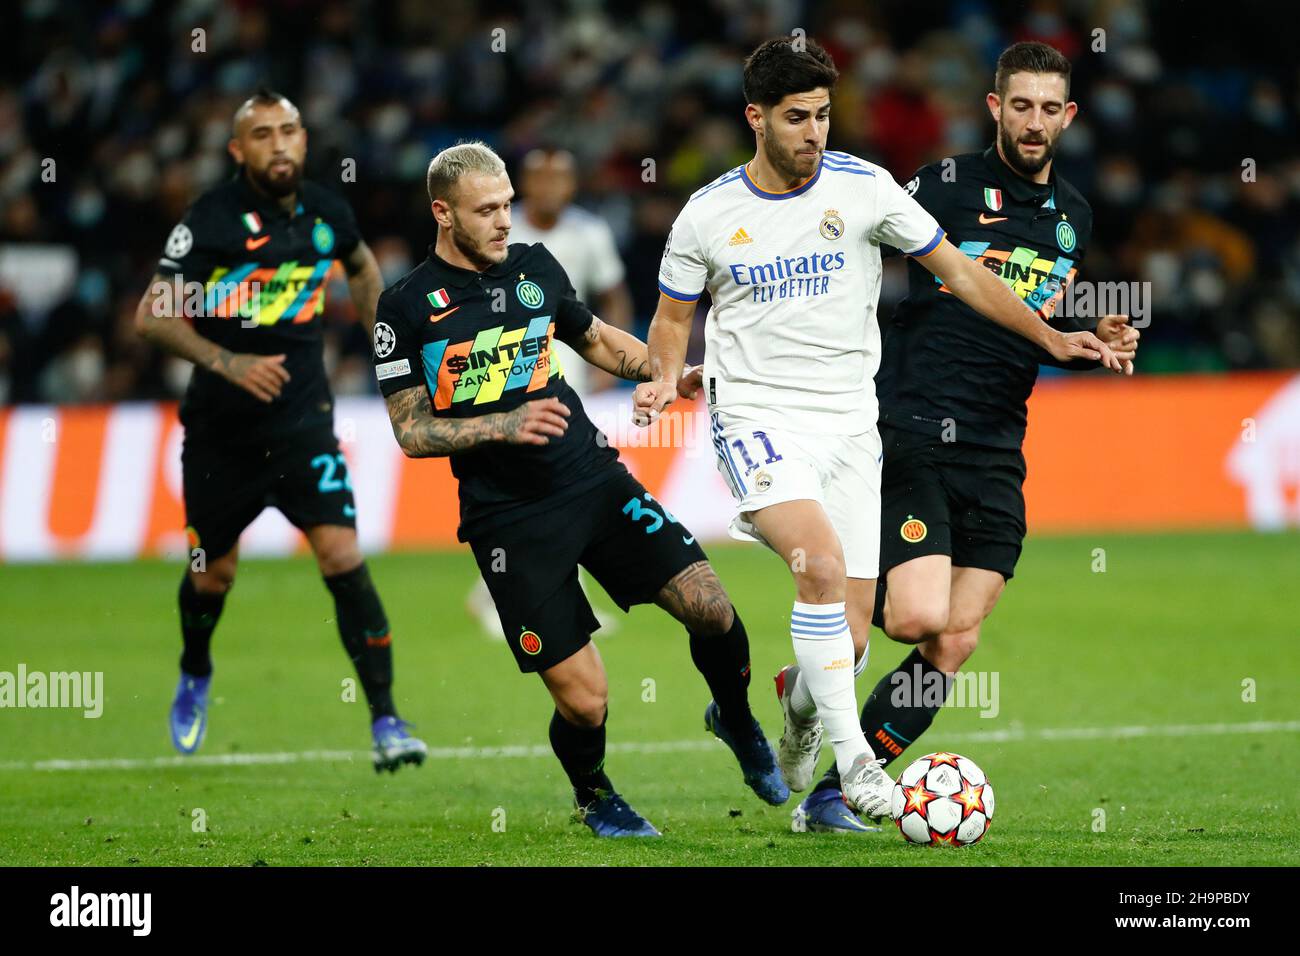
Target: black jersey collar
457, 276
1016, 186
264, 205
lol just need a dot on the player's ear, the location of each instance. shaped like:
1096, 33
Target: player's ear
754, 116
995, 106
1071, 109
235, 150
441, 214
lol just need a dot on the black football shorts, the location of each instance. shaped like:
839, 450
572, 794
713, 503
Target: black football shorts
629, 542
227, 484
954, 498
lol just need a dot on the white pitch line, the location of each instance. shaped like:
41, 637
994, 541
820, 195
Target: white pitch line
1010, 735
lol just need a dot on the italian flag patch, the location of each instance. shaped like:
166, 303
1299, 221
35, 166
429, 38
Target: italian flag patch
993, 199
439, 299
252, 222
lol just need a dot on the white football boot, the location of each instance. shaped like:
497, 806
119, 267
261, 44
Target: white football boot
867, 788
801, 742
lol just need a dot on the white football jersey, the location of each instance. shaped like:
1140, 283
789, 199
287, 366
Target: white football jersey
794, 277
584, 245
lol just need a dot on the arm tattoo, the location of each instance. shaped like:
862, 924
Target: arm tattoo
592, 335
423, 436
632, 369
696, 597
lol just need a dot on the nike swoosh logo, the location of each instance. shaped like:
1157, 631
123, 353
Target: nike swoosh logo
349, 511
894, 733
252, 244
688, 541
188, 740
442, 315
986, 220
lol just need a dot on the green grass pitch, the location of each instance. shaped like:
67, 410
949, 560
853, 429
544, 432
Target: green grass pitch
1120, 691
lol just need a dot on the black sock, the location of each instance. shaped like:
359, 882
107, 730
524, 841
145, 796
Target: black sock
364, 630
199, 614
723, 659
891, 726
582, 755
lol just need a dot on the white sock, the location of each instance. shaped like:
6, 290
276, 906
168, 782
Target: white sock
823, 648
801, 701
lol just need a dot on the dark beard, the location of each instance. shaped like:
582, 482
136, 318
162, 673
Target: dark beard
481, 262
1025, 167
783, 164
276, 188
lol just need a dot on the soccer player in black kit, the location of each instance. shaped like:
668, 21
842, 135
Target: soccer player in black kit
239, 292
953, 395
464, 356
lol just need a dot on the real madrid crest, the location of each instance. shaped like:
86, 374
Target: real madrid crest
832, 226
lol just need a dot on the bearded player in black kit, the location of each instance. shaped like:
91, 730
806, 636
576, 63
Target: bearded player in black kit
257, 251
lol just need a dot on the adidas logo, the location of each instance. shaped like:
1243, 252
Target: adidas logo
739, 238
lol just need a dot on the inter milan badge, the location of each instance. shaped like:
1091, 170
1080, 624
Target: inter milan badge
322, 237
832, 226
530, 643
530, 294
1065, 236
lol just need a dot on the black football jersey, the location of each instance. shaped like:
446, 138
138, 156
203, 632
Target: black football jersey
481, 343
253, 279
947, 370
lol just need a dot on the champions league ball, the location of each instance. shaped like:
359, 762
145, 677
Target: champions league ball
942, 799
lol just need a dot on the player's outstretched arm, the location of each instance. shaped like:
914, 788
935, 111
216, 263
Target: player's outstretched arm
365, 282
421, 435
156, 320
670, 333
987, 295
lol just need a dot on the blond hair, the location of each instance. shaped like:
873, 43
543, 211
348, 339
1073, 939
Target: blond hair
447, 167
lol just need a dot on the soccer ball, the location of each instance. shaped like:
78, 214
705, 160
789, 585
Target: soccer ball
942, 799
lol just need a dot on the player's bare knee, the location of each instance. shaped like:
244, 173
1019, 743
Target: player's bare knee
820, 578
915, 625
339, 563
586, 708
217, 578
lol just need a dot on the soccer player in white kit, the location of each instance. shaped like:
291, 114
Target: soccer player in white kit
788, 247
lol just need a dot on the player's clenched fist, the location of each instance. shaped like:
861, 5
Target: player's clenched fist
262, 376
535, 422
649, 399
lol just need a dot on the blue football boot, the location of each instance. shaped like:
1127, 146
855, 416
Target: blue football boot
188, 720
394, 746
610, 816
824, 811
757, 762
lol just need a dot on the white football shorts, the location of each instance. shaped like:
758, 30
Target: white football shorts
767, 466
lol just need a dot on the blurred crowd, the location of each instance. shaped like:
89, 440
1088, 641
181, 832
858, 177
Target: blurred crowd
113, 117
